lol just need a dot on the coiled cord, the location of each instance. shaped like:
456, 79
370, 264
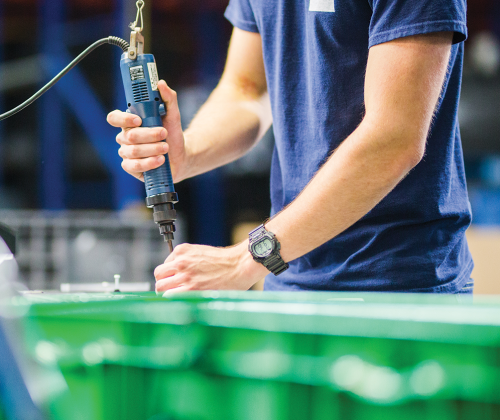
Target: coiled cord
113, 40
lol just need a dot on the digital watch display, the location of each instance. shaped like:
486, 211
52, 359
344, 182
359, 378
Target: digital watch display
265, 248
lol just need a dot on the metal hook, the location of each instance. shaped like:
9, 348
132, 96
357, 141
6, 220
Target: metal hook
133, 25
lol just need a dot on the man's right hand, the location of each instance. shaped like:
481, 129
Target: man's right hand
143, 148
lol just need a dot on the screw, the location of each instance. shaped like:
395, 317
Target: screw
117, 282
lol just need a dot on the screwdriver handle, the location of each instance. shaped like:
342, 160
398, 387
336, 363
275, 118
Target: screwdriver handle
140, 80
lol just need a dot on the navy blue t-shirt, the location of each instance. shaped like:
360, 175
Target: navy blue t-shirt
315, 55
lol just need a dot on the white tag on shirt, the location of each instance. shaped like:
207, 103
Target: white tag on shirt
322, 5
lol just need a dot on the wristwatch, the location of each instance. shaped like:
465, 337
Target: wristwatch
265, 249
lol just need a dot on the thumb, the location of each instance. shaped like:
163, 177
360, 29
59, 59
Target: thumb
169, 96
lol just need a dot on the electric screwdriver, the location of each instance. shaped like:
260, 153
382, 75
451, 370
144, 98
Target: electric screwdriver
140, 80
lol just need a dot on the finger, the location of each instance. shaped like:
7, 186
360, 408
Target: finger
142, 135
169, 96
169, 283
121, 119
134, 166
142, 151
139, 176
165, 270
176, 290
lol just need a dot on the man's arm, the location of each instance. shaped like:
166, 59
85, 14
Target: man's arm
238, 112
233, 119
404, 79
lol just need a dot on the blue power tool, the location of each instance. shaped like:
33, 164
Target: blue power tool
140, 80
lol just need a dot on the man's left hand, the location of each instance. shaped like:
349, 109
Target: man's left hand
200, 267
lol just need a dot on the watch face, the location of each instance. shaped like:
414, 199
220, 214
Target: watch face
263, 248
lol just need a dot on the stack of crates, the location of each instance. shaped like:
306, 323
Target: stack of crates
55, 247
249, 355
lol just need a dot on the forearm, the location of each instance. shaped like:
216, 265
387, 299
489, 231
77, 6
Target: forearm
225, 128
361, 172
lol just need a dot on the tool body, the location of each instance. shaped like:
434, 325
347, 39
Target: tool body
140, 81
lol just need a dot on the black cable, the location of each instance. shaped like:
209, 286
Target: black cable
113, 40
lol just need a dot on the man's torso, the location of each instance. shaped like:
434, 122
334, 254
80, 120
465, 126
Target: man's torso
315, 62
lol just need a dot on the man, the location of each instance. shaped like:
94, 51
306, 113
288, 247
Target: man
367, 184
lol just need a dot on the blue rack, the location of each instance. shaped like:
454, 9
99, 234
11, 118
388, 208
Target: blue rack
209, 194
74, 95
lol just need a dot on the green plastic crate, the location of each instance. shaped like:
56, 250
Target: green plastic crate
215, 355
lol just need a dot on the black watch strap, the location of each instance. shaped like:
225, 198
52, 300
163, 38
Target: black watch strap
274, 263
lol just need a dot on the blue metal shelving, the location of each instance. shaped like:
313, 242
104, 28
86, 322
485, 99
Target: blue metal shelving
73, 94
209, 192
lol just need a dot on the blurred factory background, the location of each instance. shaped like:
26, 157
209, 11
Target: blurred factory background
83, 219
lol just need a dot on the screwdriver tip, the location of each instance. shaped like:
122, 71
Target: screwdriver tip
170, 246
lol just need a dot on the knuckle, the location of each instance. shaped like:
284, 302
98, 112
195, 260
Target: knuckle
182, 248
131, 136
137, 166
181, 265
134, 151
122, 152
186, 279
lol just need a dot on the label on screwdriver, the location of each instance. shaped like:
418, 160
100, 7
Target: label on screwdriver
136, 73
153, 75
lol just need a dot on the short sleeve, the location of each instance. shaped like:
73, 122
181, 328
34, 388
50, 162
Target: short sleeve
392, 19
240, 14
